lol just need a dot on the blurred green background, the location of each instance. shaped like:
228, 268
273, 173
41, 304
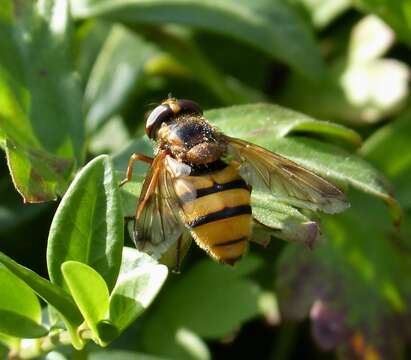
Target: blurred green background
84, 73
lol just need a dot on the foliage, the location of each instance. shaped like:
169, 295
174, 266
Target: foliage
77, 78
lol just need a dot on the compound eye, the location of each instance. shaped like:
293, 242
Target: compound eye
162, 113
189, 107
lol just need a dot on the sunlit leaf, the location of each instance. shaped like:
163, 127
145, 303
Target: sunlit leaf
89, 291
139, 282
88, 225
40, 112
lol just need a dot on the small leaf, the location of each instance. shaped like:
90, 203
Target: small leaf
287, 222
40, 116
271, 27
89, 291
88, 224
20, 310
140, 279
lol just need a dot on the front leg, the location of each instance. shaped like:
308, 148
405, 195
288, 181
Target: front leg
133, 158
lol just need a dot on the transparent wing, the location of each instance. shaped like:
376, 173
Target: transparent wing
158, 222
286, 180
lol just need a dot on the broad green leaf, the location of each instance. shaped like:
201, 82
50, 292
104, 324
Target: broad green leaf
389, 149
396, 13
272, 27
140, 279
210, 300
89, 291
115, 74
261, 122
353, 286
20, 310
40, 112
50, 293
88, 224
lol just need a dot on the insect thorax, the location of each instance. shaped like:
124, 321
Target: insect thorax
192, 139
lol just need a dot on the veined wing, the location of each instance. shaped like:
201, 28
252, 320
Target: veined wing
158, 222
286, 180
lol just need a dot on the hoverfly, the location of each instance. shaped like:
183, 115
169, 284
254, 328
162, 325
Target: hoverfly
200, 180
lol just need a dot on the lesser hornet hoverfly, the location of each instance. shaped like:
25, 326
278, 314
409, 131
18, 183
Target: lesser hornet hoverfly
201, 180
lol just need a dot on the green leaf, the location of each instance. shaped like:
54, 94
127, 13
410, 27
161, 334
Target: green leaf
40, 116
396, 13
20, 309
267, 122
140, 279
271, 27
88, 224
353, 286
52, 294
89, 291
210, 300
116, 71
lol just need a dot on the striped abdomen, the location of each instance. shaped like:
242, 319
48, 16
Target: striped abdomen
219, 214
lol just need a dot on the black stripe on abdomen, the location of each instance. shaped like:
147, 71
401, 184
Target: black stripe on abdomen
230, 242
204, 169
219, 215
235, 184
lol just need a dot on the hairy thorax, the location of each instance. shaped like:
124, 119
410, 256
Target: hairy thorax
192, 140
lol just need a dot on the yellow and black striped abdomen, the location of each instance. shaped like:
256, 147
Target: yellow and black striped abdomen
219, 216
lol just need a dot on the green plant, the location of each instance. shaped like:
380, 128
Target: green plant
75, 78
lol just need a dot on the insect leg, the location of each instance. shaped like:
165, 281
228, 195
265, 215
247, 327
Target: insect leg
135, 157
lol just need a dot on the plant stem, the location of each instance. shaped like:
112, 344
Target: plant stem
46, 344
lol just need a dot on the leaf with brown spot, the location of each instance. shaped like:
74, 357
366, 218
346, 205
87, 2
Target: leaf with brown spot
41, 126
